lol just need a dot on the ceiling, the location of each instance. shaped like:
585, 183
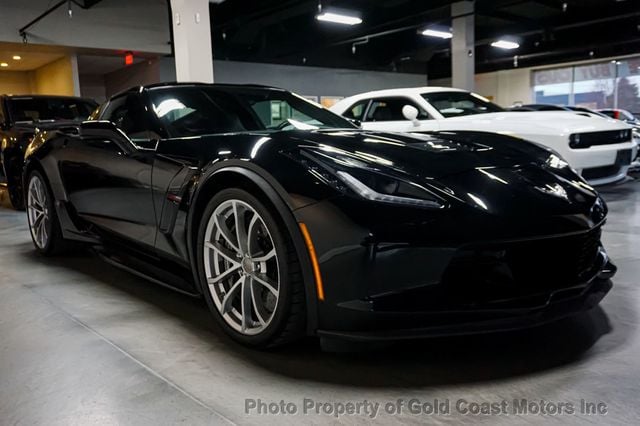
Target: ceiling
549, 31
30, 58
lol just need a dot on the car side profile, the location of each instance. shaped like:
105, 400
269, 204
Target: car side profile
599, 150
290, 221
20, 117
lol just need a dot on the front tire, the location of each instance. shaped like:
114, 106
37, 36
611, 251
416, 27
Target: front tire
43, 219
249, 270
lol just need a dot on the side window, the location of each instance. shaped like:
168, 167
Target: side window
390, 109
128, 114
357, 110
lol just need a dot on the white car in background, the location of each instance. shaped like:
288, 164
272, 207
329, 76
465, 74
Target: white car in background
600, 149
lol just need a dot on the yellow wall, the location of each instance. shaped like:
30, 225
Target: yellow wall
55, 78
15, 83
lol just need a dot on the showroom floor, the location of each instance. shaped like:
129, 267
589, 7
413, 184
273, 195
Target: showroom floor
84, 343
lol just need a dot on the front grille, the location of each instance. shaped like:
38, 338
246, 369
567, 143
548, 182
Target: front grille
600, 172
490, 273
585, 140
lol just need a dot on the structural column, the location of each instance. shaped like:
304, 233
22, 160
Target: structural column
462, 45
192, 40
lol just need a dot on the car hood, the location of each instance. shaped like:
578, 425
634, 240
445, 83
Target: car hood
425, 156
557, 123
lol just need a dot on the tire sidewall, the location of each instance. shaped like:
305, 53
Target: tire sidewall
284, 293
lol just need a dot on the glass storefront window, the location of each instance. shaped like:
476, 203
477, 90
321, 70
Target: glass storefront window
612, 84
553, 86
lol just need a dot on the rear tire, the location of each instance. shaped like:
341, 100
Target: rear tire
249, 271
42, 216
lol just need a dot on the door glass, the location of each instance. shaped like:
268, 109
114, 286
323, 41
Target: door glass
356, 112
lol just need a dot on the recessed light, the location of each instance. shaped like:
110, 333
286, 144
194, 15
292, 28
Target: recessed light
17, 57
339, 18
429, 32
4, 64
505, 44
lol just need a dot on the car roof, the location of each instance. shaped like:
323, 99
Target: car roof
48, 97
193, 84
407, 91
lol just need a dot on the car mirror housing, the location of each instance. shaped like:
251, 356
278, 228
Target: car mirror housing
411, 113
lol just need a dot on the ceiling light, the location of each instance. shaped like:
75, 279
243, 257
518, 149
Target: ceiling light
505, 44
17, 57
4, 64
339, 18
436, 33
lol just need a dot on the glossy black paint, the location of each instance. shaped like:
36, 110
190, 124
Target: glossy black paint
388, 270
15, 137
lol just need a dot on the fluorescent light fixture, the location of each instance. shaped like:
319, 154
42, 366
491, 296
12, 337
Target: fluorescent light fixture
437, 33
339, 18
17, 57
505, 44
4, 64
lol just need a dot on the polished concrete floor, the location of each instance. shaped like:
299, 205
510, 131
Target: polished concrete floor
84, 343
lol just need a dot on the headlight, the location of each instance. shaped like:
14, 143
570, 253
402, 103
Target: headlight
350, 175
388, 190
555, 161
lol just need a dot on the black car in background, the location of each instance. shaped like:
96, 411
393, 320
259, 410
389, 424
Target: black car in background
20, 116
289, 220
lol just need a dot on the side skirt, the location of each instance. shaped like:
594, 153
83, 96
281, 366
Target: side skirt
148, 271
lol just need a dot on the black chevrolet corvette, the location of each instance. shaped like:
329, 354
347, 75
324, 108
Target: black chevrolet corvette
290, 221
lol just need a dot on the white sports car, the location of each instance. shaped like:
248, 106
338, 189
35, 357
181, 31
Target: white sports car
600, 149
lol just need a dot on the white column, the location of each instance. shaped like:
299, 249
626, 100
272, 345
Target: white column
75, 75
192, 40
462, 45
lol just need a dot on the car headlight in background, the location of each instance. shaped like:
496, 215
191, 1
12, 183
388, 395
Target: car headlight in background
585, 140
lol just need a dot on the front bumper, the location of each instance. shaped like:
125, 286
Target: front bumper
557, 306
602, 164
401, 290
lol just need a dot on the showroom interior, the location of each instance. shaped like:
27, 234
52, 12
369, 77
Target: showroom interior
501, 126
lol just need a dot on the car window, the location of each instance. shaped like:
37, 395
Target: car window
35, 109
455, 104
201, 110
127, 113
390, 109
356, 111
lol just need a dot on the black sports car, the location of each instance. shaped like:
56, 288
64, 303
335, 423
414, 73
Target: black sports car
290, 221
20, 117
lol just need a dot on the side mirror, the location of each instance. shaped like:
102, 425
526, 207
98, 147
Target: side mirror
411, 113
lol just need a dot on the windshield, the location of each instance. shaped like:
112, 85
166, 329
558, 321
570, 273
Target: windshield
455, 104
49, 109
200, 110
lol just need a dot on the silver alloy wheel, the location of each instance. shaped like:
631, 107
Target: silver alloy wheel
241, 267
38, 212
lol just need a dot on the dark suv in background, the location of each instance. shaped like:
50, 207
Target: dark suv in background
20, 118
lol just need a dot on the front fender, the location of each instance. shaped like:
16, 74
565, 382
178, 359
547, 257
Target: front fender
282, 201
